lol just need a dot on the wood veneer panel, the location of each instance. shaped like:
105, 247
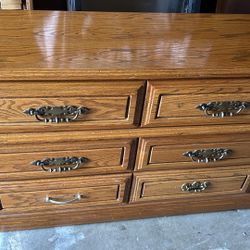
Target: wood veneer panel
132, 211
16, 142
110, 106
24, 196
174, 102
79, 215
163, 185
167, 152
56, 45
109, 156
159, 189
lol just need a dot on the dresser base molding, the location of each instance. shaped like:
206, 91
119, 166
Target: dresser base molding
123, 212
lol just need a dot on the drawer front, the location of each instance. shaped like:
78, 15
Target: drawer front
61, 160
63, 193
67, 106
196, 102
163, 185
193, 152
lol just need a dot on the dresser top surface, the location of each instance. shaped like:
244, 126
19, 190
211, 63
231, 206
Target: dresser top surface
91, 45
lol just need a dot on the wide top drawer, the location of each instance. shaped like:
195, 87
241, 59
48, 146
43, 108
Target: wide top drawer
197, 102
58, 106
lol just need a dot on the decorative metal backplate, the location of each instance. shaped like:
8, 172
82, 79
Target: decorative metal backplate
208, 155
195, 187
62, 164
222, 109
56, 114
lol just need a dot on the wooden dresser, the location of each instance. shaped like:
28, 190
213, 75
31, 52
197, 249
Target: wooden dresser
109, 116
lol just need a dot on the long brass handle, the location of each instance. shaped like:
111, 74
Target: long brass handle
76, 197
195, 187
222, 109
61, 164
57, 114
208, 155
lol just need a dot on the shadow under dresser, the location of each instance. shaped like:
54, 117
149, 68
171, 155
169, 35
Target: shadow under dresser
111, 116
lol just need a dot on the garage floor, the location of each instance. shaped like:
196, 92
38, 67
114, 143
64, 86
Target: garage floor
212, 231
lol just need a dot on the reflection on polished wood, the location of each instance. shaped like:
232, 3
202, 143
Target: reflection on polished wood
129, 45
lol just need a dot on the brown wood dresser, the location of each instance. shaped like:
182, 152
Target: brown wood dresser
110, 116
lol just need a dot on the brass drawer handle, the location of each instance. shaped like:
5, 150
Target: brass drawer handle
195, 187
57, 114
222, 109
62, 164
48, 199
208, 155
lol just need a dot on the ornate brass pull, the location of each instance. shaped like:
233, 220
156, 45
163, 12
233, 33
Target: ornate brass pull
62, 164
208, 155
195, 187
222, 109
56, 114
77, 197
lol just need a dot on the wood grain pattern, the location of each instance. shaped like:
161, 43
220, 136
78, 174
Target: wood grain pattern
85, 214
18, 142
122, 212
103, 157
167, 152
174, 102
159, 189
114, 108
37, 200
20, 196
141, 76
167, 185
87, 45
109, 106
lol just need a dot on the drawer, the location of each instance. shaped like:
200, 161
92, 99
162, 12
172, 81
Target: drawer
63, 193
164, 185
67, 159
196, 102
193, 151
60, 106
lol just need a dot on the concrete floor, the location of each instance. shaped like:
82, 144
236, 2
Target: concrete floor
212, 231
